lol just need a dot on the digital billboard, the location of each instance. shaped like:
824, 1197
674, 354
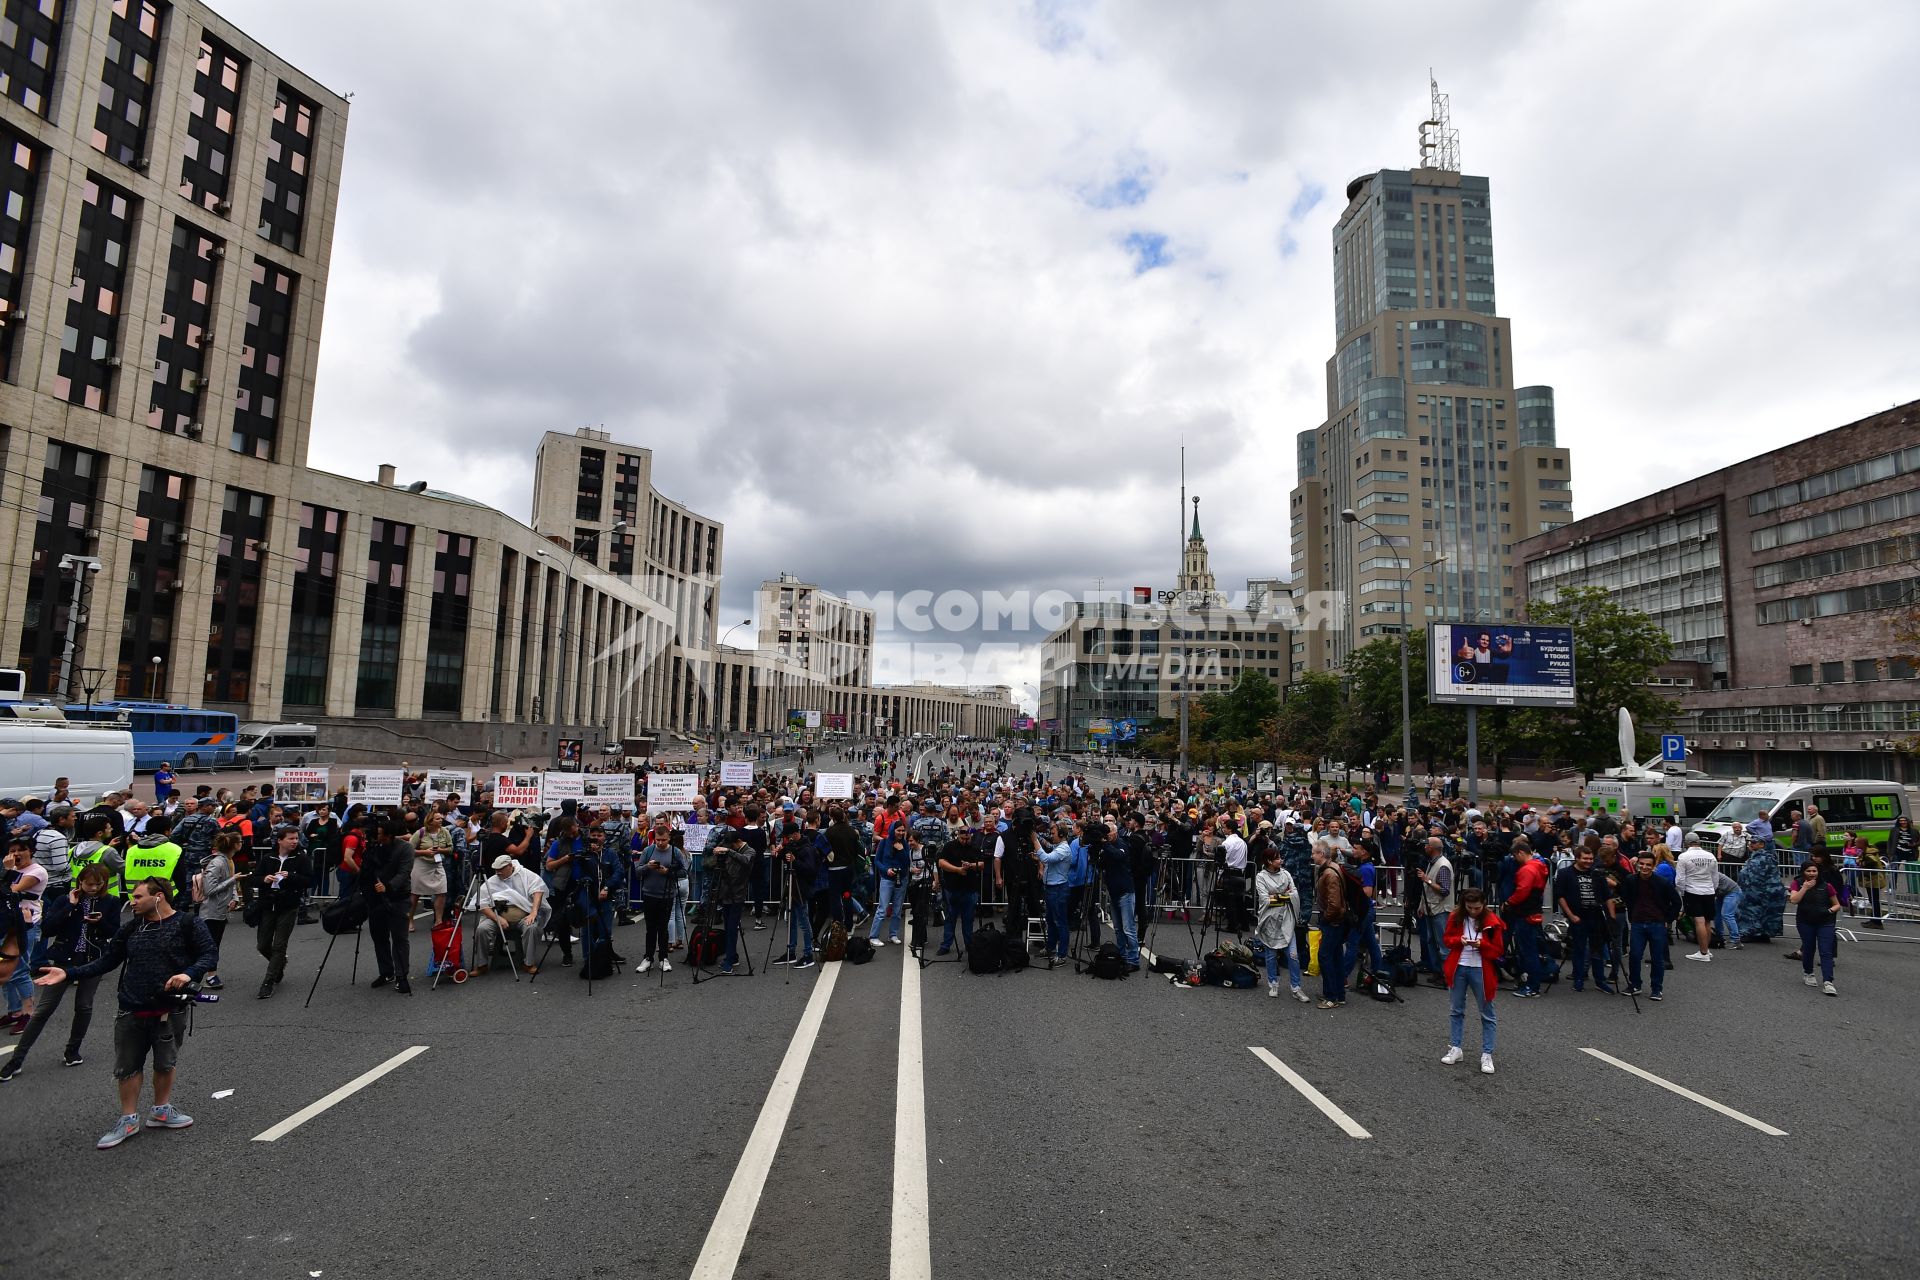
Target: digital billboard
1492, 664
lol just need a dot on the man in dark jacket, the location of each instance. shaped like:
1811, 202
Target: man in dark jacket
844, 855
386, 880
279, 880
729, 881
164, 951
1652, 904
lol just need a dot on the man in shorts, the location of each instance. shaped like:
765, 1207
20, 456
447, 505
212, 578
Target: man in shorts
164, 953
1696, 874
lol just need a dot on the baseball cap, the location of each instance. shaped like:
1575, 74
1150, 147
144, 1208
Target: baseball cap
502, 862
10, 802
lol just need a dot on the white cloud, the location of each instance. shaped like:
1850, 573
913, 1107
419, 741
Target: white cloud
859, 272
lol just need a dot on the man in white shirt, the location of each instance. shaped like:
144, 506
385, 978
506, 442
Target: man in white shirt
512, 906
1675, 840
1695, 874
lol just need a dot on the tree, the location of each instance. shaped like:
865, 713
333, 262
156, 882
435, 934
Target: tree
1615, 650
1240, 711
1309, 723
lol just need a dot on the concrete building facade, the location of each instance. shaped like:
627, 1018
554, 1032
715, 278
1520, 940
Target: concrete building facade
1779, 579
1426, 437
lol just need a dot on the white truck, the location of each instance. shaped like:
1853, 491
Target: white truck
94, 758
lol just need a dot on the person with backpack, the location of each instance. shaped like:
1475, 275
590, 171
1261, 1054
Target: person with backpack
961, 863
890, 867
1475, 938
1330, 905
1362, 926
729, 882
214, 888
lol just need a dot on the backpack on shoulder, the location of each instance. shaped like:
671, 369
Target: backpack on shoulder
1355, 891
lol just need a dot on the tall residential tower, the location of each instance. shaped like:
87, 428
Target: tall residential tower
1426, 437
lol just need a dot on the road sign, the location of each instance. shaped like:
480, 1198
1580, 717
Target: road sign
1673, 748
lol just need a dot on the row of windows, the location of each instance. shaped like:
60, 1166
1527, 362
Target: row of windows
1829, 604
1839, 480
1860, 671
1858, 516
1888, 717
1822, 564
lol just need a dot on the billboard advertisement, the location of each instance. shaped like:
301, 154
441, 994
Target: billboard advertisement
836, 720
1492, 664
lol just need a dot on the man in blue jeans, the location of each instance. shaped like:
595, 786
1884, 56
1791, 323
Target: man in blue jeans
1116, 863
1056, 863
1652, 904
1367, 932
1330, 904
961, 862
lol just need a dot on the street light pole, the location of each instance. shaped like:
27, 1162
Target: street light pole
1350, 516
713, 711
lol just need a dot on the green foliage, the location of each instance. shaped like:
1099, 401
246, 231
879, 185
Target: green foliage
1309, 724
1615, 650
1240, 713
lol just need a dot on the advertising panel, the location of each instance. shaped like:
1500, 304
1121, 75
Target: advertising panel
1500, 664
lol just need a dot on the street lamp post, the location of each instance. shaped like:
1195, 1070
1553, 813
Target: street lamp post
566, 606
153, 681
714, 708
1350, 516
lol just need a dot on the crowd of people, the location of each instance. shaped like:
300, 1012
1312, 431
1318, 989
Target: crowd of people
1303, 878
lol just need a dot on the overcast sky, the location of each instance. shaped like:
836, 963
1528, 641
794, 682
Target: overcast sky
928, 295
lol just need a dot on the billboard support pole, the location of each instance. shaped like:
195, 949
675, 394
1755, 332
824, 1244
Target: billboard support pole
1473, 756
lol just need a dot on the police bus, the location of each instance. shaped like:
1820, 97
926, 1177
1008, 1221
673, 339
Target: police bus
186, 737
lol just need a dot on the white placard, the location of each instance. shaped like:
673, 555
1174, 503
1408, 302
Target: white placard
736, 773
375, 786
833, 786
300, 786
697, 836
556, 787
516, 790
671, 792
442, 783
612, 790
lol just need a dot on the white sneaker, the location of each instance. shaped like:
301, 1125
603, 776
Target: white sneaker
1830, 989
1698, 955
1302, 996
666, 966
1812, 981
644, 966
1486, 1064
878, 942
1273, 990
1452, 1056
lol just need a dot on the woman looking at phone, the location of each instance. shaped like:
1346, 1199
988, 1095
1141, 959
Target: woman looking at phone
1816, 900
1475, 937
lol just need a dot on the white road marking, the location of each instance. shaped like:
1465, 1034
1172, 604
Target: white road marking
339, 1095
721, 1253
911, 1256
1688, 1094
7, 1050
1311, 1094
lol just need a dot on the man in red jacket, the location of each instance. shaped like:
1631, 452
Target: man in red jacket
1523, 912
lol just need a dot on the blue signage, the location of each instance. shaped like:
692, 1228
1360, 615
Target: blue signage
1673, 748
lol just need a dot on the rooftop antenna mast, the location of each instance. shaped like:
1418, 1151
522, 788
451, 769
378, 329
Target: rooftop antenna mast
1439, 140
1181, 515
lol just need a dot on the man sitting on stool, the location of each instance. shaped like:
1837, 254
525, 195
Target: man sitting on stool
513, 907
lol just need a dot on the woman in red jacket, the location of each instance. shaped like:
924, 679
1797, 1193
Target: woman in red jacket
1474, 938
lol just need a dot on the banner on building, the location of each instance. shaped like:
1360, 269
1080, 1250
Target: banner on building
1049, 726
836, 720
736, 773
608, 790
1023, 722
1143, 595
375, 786
516, 791
442, 783
833, 786
570, 749
672, 792
300, 786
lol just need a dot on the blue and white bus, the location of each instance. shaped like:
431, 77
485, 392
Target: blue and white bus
187, 736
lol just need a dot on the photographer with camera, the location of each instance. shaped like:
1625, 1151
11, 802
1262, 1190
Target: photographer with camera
165, 953
386, 882
1116, 868
1016, 873
279, 879
729, 882
599, 879
961, 863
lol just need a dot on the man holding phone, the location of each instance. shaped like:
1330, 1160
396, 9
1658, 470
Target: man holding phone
662, 868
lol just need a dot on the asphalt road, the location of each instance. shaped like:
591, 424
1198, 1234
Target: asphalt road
1071, 1128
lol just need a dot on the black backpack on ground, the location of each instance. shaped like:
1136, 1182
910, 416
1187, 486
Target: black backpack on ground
1382, 990
1108, 962
859, 949
703, 946
599, 963
988, 953
1016, 957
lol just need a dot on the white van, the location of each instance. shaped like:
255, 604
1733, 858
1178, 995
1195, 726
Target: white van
1689, 799
267, 746
95, 759
1871, 807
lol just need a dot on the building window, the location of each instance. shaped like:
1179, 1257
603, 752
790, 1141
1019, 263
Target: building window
19, 185
126, 81
289, 157
1866, 669
1894, 506
93, 304
263, 353
153, 573
447, 621
316, 580
1828, 604
1802, 673
1832, 672
29, 41
382, 616
186, 314
69, 490
1839, 480
1900, 668
592, 482
236, 596
206, 165
1824, 564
